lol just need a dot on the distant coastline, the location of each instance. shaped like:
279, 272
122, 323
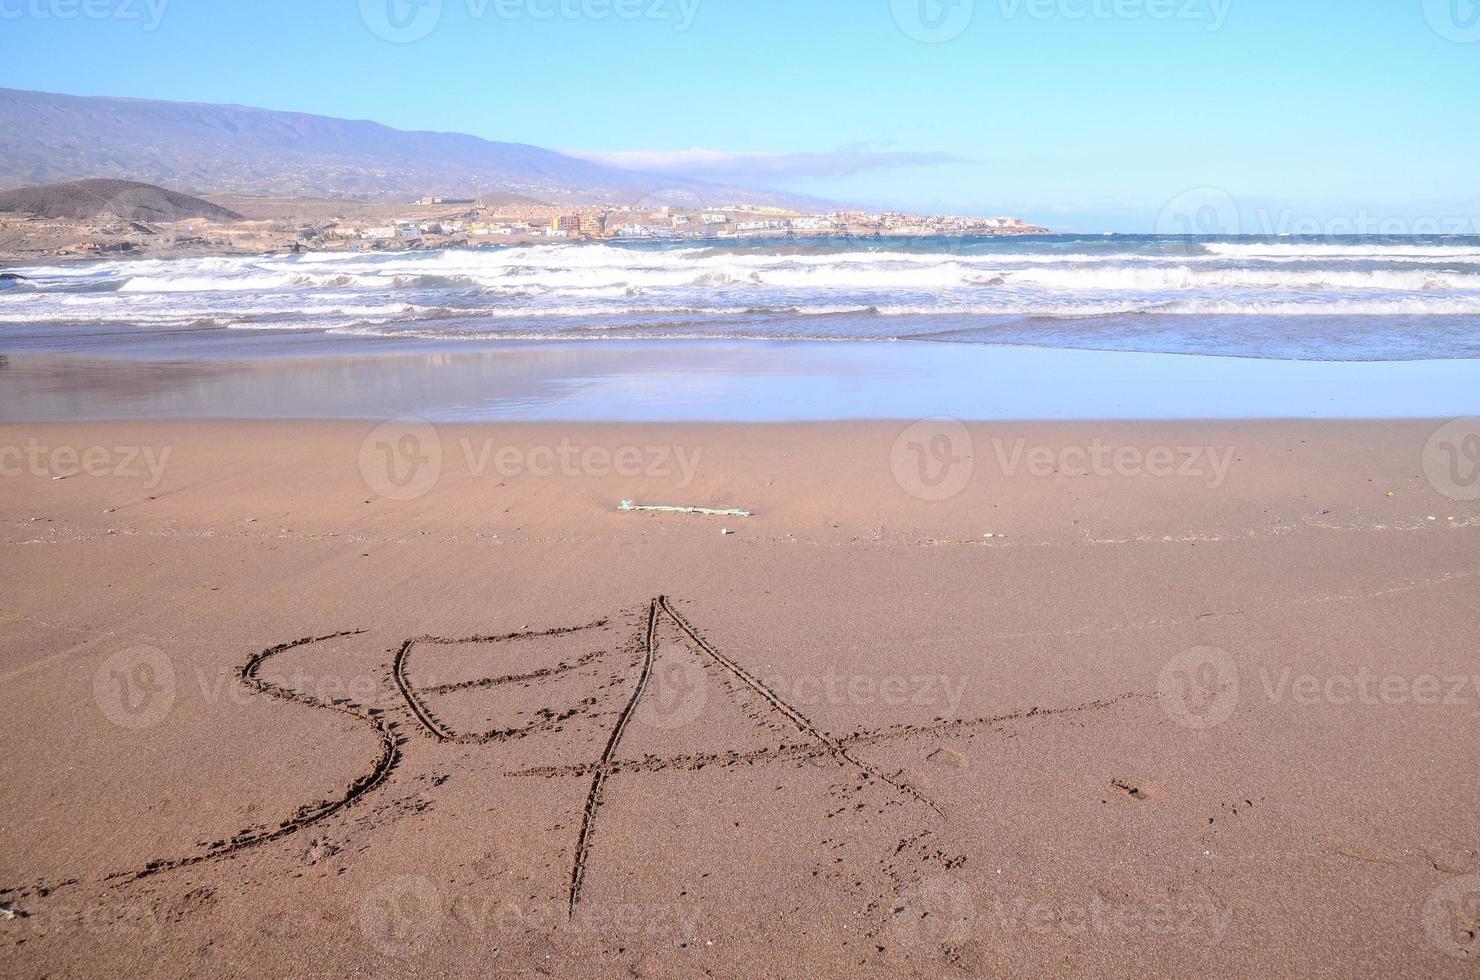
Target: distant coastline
288, 224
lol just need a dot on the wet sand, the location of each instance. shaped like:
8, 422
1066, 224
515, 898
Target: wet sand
239, 374
309, 698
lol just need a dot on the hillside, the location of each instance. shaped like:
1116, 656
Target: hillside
93, 200
223, 149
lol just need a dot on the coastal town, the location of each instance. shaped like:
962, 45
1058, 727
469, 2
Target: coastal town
481, 223
240, 224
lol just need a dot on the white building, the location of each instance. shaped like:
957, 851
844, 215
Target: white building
643, 231
764, 225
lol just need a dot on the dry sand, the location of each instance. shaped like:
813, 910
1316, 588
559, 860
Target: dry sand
264, 718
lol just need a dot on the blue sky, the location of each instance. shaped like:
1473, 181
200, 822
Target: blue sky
1078, 114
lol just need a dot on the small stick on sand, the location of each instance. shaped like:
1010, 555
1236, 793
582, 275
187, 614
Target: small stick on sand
629, 505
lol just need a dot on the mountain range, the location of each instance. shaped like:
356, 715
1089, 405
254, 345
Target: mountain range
225, 149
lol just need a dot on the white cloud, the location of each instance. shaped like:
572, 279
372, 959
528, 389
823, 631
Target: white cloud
763, 168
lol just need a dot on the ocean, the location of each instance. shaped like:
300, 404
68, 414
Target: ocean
1356, 299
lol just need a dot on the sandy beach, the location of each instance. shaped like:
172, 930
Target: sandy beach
1173, 698
495, 490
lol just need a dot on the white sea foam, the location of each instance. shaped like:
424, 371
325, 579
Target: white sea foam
873, 289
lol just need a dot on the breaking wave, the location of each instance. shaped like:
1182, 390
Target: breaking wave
1360, 298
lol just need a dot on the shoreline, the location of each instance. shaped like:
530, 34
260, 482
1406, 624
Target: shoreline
293, 245
716, 381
